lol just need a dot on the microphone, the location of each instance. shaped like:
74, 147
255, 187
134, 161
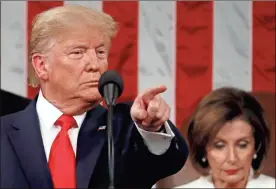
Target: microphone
110, 87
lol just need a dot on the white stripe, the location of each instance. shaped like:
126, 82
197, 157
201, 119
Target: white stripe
156, 48
13, 47
232, 62
90, 4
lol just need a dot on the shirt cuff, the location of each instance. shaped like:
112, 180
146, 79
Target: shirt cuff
157, 142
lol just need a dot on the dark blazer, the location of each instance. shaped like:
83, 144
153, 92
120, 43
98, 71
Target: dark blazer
24, 163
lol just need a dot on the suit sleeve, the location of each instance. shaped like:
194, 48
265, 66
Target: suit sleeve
143, 168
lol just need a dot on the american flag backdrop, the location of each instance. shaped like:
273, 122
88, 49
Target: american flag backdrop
191, 47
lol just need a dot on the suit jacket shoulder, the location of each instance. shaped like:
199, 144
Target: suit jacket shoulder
6, 122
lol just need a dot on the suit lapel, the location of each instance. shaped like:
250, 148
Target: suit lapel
90, 143
27, 142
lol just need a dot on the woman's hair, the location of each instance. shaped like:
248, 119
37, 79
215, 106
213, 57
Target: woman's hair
53, 23
217, 108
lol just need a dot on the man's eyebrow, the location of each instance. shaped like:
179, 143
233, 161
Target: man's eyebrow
100, 45
77, 46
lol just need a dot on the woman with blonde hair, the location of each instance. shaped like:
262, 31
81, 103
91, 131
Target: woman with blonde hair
229, 138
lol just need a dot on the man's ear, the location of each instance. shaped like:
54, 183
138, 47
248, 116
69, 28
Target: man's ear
40, 66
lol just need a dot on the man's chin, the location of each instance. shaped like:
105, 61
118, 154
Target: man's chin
96, 98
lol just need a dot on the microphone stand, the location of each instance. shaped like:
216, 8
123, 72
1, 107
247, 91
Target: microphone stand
110, 146
111, 93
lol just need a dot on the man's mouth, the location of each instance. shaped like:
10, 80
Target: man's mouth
92, 83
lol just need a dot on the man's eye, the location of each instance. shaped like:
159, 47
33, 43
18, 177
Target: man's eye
76, 54
101, 51
101, 54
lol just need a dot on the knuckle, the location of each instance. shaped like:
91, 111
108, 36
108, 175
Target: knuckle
156, 103
153, 107
158, 98
159, 115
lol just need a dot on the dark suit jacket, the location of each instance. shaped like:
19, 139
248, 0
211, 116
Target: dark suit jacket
24, 164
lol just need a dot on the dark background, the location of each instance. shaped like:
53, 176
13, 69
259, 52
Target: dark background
11, 103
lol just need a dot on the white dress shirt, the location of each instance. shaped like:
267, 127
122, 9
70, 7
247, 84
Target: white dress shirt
262, 181
157, 143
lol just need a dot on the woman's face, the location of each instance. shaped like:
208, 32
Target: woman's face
231, 152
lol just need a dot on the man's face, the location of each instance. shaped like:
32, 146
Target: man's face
75, 64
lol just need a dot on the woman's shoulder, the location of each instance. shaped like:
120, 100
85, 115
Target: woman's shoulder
201, 182
262, 181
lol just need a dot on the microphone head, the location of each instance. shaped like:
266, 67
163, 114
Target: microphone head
108, 77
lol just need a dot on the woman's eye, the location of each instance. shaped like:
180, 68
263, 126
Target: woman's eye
218, 145
243, 145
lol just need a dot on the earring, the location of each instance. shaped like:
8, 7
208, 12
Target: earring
203, 159
255, 156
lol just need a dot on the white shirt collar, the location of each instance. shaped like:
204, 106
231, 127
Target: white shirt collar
48, 113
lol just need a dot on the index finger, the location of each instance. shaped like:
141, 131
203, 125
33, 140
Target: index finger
152, 92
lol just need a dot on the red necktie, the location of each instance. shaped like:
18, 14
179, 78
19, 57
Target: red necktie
62, 162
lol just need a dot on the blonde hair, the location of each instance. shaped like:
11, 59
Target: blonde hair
52, 23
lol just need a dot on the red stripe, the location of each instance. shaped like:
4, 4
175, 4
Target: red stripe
34, 8
123, 54
264, 46
194, 37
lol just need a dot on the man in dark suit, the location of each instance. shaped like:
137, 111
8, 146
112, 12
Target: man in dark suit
59, 140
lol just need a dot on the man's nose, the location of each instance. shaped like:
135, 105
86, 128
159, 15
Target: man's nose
92, 61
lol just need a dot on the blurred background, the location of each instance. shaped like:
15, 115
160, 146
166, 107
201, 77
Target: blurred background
192, 47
